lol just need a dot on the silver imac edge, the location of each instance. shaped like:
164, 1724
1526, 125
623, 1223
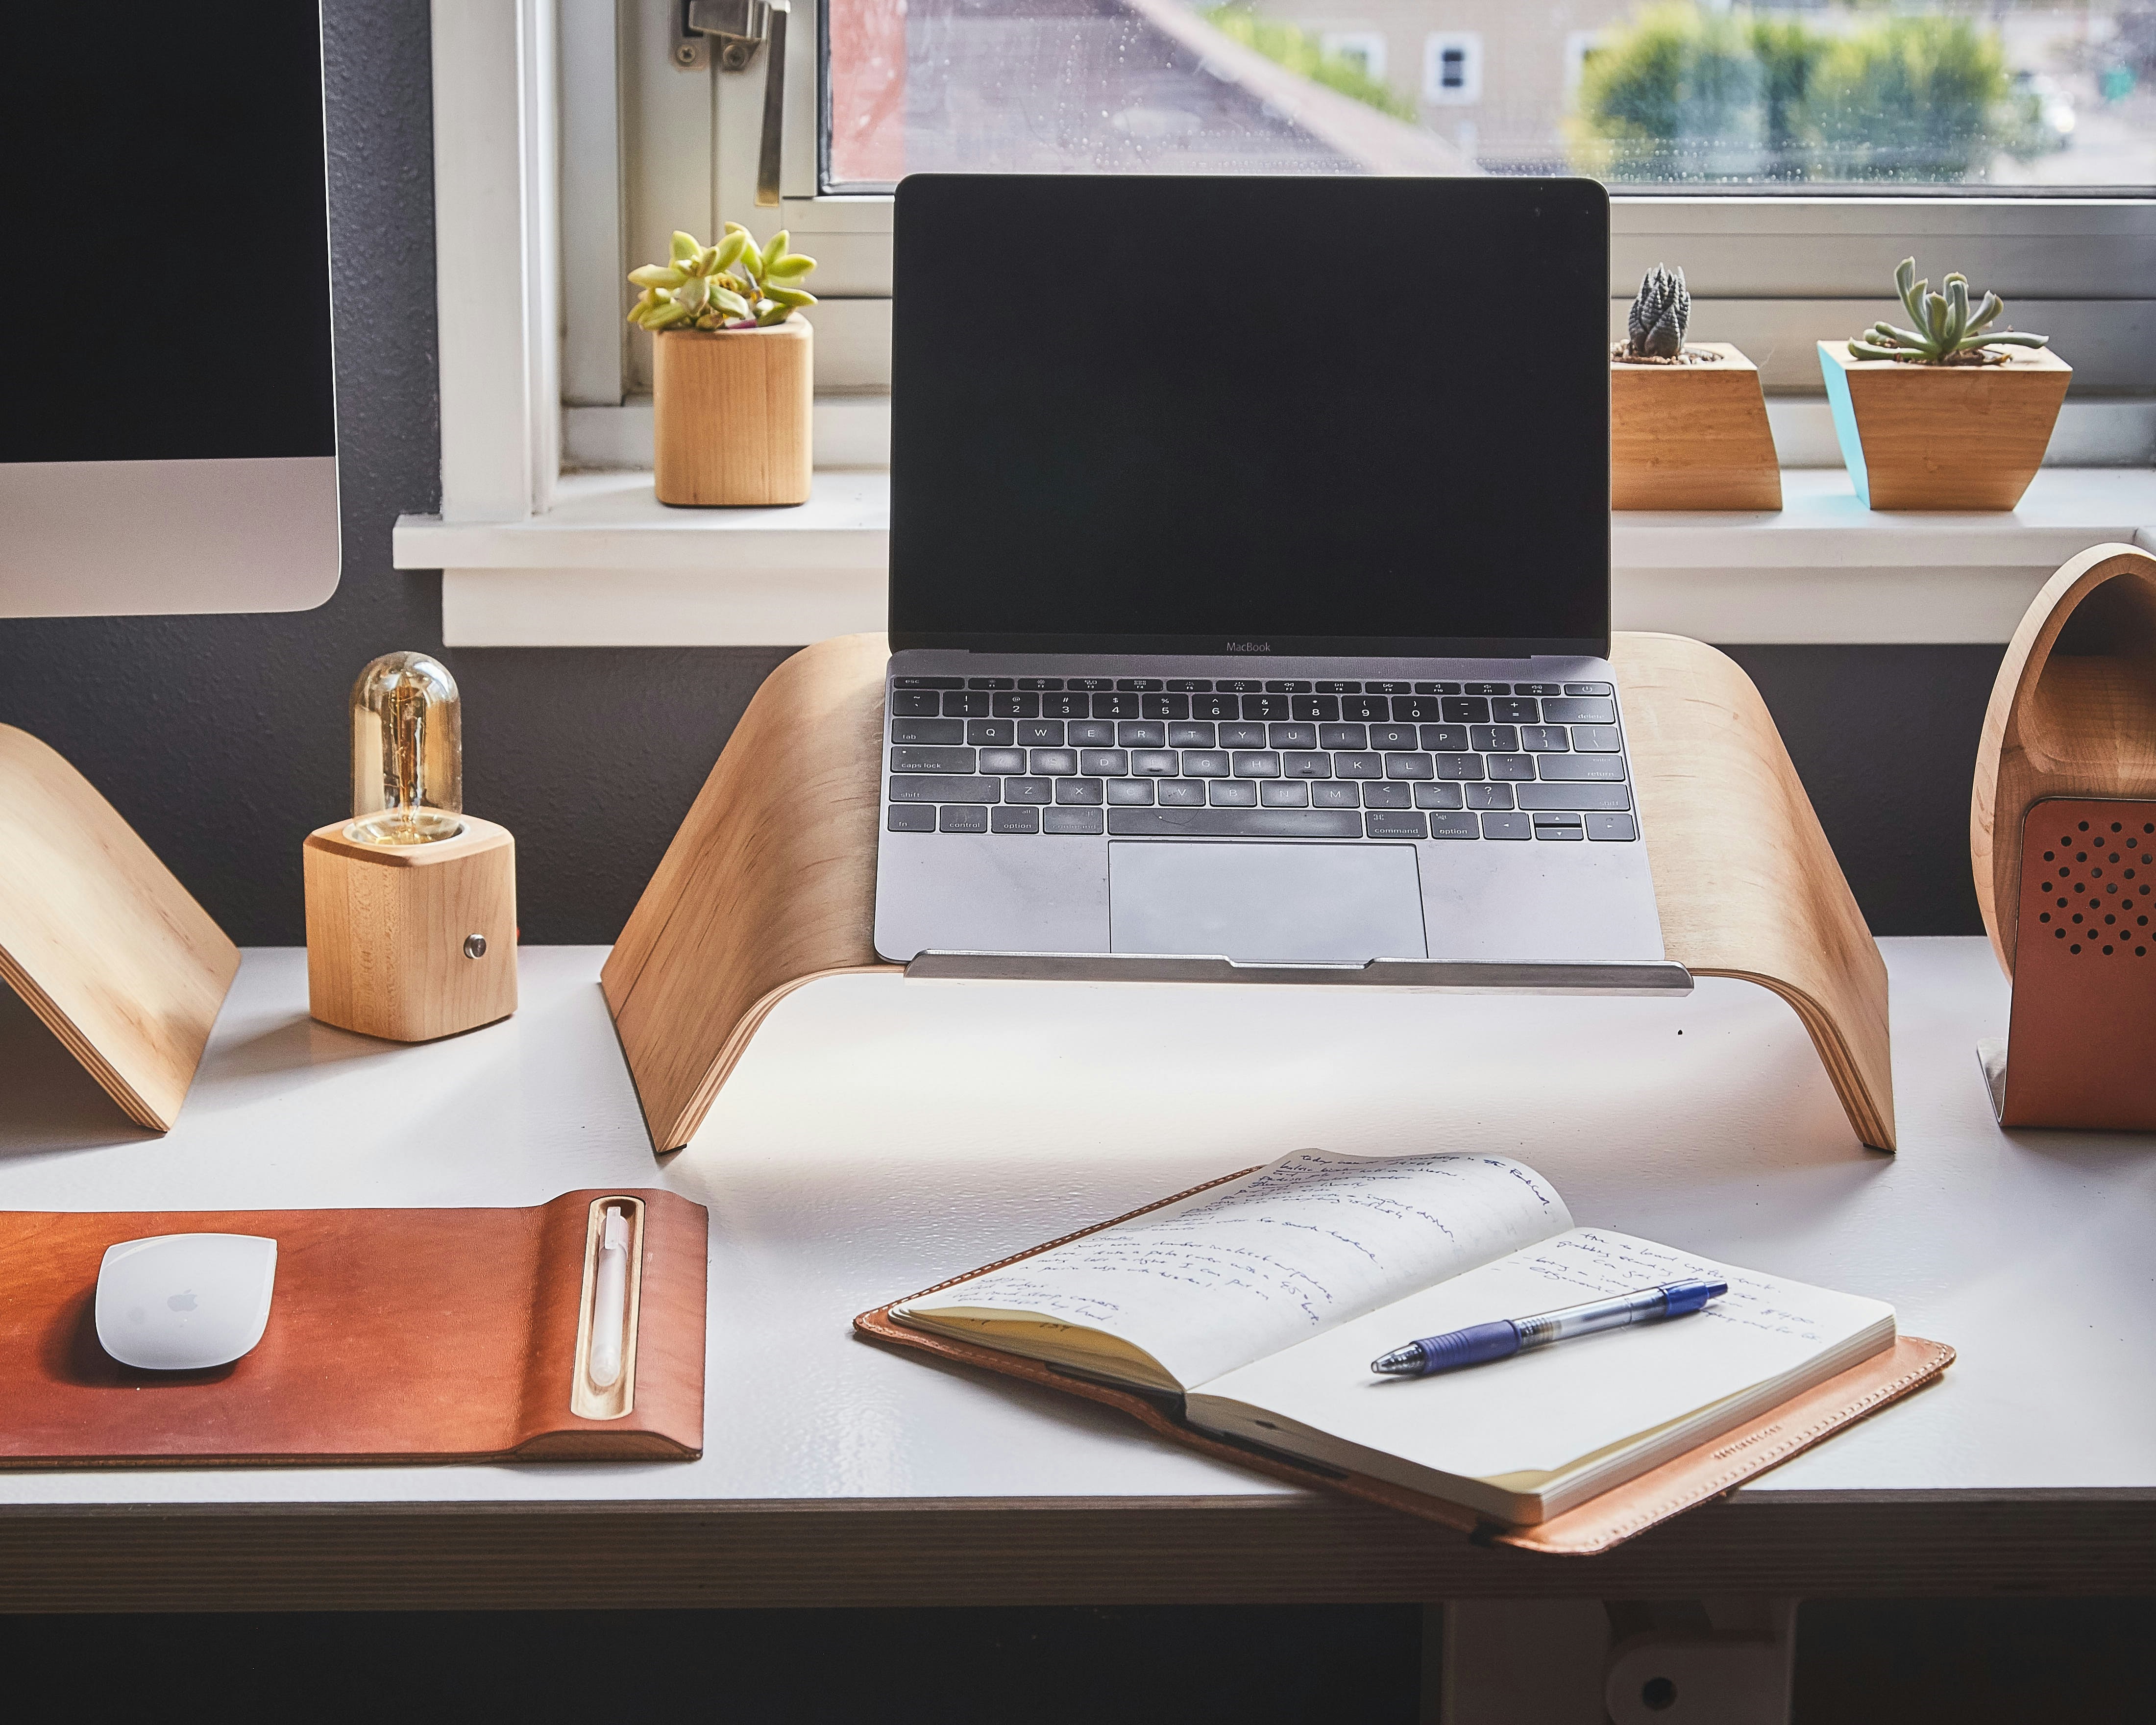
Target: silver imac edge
168, 439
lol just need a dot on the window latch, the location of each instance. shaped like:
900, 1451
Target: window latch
740, 28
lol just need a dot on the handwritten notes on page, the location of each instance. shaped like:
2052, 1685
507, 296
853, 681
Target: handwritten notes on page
1314, 1240
1541, 1412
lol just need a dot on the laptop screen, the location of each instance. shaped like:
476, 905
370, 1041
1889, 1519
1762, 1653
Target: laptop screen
1265, 415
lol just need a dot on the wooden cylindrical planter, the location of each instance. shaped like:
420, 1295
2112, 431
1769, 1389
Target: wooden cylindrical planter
2063, 835
732, 420
1943, 437
1691, 436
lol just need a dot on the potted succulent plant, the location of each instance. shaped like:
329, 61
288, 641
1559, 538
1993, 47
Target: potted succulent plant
1949, 414
733, 369
1688, 419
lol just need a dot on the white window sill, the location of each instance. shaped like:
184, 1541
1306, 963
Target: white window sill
610, 566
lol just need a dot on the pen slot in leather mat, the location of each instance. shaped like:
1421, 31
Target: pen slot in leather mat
589, 1397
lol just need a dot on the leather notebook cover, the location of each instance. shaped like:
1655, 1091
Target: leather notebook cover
393, 1336
1616, 1516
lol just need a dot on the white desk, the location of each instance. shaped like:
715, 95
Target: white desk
882, 1134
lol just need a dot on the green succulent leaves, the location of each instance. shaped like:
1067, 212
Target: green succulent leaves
735, 285
1947, 327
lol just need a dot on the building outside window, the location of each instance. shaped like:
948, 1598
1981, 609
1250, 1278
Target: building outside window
1936, 94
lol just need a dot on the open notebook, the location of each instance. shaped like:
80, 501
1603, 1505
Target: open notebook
1262, 1301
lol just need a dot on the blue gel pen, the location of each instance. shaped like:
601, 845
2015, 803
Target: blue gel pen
1480, 1343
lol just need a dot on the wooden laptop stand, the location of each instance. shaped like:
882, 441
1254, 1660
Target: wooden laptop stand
771, 881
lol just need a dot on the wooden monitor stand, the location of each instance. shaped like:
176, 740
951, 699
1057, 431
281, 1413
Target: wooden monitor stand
96, 935
771, 881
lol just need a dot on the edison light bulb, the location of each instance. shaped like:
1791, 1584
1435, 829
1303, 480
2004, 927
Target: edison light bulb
408, 752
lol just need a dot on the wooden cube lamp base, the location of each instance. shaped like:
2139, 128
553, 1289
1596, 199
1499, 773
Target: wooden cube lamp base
410, 943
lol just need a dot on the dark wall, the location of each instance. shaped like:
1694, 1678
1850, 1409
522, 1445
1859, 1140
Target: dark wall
222, 739
1885, 740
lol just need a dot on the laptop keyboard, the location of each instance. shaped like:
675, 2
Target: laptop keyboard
1273, 759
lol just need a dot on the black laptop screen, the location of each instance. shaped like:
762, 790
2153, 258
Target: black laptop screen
1318, 415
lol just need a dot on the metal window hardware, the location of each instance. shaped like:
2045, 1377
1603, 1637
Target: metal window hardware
741, 27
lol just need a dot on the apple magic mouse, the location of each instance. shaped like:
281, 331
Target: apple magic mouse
181, 1303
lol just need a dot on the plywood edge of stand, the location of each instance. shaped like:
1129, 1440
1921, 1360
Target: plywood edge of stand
1745, 881
2070, 734
769, 884
99, 939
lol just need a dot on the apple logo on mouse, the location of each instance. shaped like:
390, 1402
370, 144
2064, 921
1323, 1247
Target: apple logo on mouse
225, 1283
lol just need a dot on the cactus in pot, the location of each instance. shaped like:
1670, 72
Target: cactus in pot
1949, 413
1687, 421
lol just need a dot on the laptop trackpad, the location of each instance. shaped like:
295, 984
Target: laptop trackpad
1279, 904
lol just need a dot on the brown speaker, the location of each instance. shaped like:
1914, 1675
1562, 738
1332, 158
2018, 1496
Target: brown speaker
2062, 832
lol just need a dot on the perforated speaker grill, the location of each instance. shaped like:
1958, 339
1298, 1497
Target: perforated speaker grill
2081, 1047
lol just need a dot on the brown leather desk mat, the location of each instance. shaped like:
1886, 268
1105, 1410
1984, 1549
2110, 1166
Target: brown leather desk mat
394, 1336
1696, 1476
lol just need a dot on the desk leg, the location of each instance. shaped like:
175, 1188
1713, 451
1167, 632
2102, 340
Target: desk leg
1718, 1661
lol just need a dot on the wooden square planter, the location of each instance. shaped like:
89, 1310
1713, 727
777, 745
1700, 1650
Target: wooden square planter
1691, 437
1943, 437
732, 413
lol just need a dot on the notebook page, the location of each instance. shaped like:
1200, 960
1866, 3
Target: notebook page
1252, 1267
1539, 1412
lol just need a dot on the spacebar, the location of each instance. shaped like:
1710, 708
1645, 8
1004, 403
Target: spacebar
1234, 823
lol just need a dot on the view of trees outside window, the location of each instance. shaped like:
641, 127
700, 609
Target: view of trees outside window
1666, 93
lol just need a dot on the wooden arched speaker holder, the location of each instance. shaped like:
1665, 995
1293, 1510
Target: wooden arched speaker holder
2062, 837
770, 883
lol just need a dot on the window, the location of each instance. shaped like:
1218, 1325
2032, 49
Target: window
1810, 93
1365, 48
1787, 157
1452, 68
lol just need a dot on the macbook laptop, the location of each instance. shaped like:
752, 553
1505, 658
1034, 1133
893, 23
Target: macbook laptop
1250, 586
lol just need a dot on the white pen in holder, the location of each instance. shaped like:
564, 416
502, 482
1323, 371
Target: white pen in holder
605, 1382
